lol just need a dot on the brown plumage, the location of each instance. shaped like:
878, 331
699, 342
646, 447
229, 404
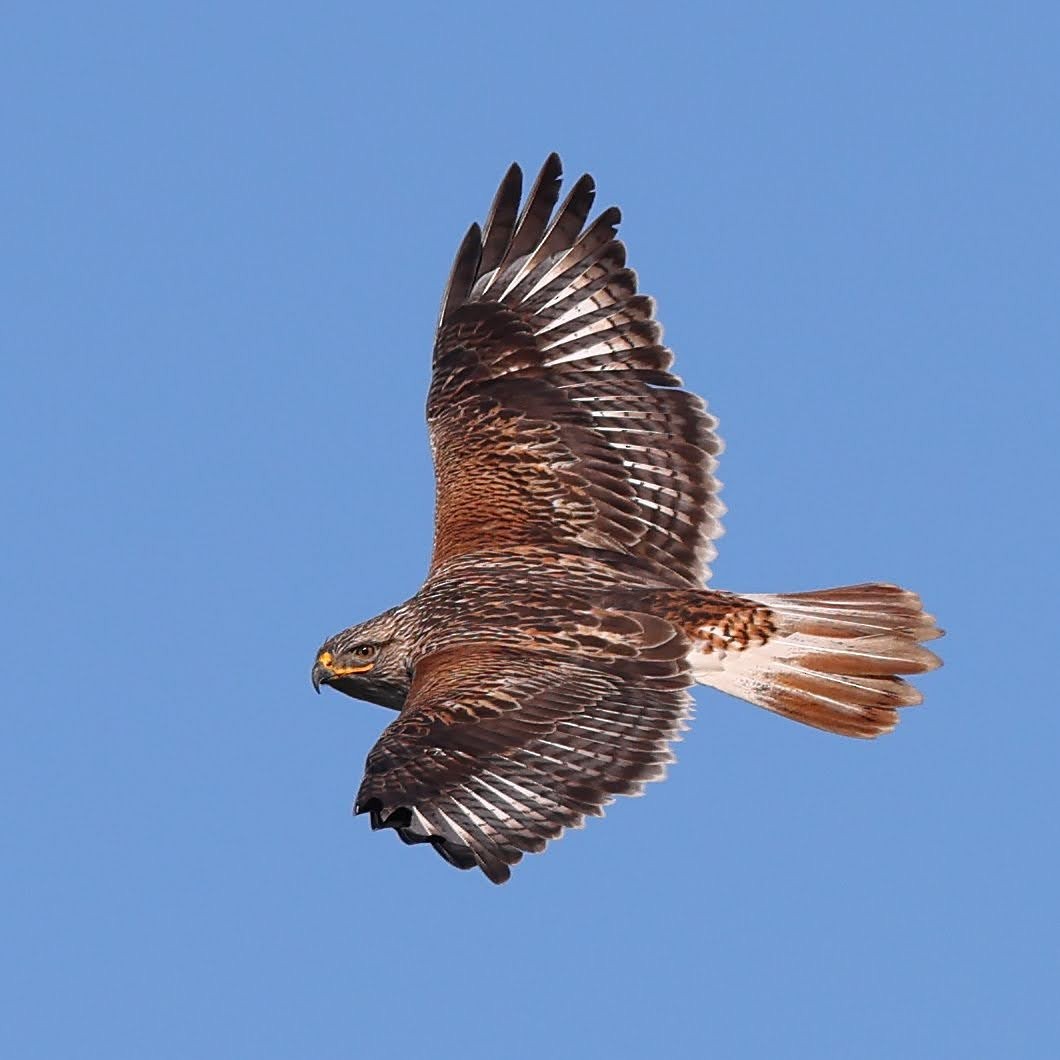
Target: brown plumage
545, 665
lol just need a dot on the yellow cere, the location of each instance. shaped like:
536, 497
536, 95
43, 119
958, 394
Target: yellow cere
324, 658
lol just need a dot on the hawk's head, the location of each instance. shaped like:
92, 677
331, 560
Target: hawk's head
368, 661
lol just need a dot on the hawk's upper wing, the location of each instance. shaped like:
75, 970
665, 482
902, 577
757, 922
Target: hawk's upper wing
498, 750
554, 419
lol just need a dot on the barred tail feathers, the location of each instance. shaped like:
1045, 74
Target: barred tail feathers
833, 658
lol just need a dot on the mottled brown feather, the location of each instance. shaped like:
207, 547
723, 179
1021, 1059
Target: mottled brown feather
498, 749
553, 416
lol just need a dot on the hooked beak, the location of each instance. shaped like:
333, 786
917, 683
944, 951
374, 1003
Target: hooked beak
321, 675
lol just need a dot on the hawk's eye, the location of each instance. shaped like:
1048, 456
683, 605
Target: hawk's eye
364, 651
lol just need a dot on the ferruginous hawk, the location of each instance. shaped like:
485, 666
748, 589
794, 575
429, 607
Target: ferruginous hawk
545, 665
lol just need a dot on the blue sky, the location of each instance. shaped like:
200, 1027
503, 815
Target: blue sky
225, 236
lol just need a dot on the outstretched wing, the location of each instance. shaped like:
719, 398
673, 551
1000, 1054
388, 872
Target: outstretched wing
498, 750
553, 415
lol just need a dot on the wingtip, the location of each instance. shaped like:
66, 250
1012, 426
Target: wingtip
497, 874
462, 276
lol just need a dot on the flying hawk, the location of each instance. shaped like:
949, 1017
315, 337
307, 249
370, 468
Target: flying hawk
545, 665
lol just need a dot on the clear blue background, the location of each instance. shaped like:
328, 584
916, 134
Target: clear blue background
225, 234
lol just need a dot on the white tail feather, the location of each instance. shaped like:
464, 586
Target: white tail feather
832, 659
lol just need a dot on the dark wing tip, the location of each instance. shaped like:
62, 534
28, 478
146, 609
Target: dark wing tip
373, 806
459, 856
584, 185
553, 167
510, 233
464, 271
501, 219
548, 180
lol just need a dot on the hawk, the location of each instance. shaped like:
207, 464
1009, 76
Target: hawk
545, 665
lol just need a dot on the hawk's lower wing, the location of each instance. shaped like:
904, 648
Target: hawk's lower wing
498, 750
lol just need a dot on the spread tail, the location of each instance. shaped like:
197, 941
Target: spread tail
831, 658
